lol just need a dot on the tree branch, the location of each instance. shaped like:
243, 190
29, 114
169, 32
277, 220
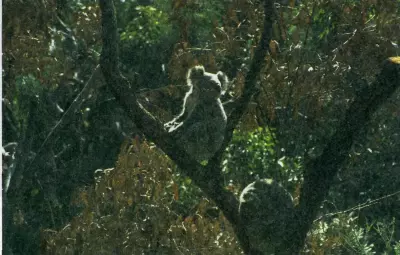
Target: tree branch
251, 77
319, 174
209, 177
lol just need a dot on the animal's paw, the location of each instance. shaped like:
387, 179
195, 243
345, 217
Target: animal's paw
172, 125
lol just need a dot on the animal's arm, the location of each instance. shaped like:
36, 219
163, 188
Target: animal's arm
189, 103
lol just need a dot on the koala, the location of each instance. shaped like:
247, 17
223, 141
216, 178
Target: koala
265, 209
200, 126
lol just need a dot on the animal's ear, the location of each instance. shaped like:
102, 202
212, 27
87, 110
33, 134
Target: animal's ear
224, 81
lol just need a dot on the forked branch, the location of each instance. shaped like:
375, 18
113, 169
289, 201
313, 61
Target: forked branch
208, 178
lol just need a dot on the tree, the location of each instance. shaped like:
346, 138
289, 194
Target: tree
319, 172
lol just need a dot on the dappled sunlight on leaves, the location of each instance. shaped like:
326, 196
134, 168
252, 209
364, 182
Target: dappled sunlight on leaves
129, 210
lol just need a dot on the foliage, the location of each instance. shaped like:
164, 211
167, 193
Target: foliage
146, 34
29, 92
148, 28
51, 49
386, 232
199, 18
252, 155
342, 234
190, 196
128, 211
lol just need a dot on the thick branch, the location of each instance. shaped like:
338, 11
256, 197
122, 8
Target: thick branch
320, 173
251, 77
